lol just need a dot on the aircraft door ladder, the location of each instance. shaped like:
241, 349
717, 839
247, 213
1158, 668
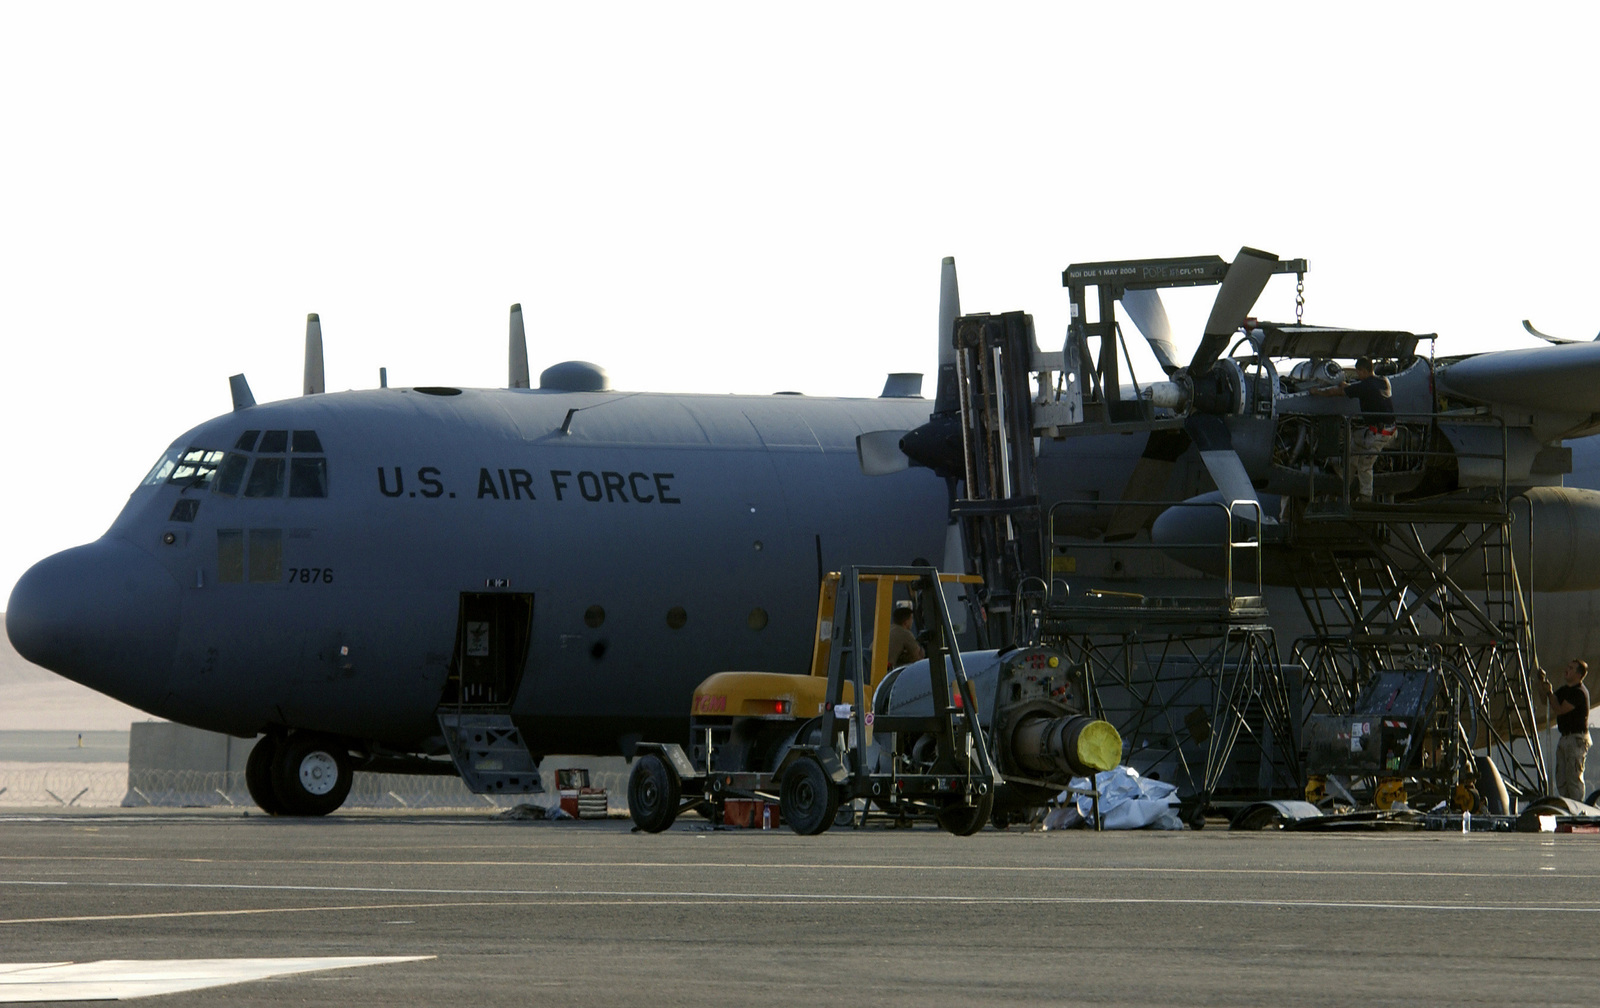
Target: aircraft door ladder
491, 650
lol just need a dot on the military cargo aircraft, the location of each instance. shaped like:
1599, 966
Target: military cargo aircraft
333, 569
384, 578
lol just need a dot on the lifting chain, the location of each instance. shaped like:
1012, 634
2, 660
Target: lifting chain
1300, 299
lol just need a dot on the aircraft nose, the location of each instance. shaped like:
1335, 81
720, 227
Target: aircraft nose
104, 614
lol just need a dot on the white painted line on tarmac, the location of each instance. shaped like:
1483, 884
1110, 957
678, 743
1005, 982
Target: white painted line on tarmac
116, 979
566, 897
1068, 870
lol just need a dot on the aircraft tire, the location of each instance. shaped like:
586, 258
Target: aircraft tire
965, 820
653, 793
312, 774
258, 773
807, 797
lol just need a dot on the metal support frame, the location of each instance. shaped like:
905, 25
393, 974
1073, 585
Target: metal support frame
1389, 597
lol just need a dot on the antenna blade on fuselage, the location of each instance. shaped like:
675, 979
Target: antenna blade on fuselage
243, 398
519, 351
314, 383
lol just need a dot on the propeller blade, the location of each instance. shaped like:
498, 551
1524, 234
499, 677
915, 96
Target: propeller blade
1246, 278
946, 397
1149, 316
519, 351
879, 452
955, 562
314, 383
1227, 471
1148, 482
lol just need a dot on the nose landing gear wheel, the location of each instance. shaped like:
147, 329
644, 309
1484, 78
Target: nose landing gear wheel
313, 774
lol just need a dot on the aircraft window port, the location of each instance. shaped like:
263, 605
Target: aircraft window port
231, 474
230, 556
247, 441
266, 478
195, 467
308, 477
307, 441
676, 617
437, 390
594, 616
275, 442
757, 618
185, 509
266, 556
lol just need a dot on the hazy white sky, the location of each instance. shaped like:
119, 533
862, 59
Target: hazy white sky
727, 197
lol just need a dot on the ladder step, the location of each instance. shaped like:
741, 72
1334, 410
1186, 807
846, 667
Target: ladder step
489, 753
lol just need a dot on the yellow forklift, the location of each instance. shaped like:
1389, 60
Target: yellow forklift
924, 741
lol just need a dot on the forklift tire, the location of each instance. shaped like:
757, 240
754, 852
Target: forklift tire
965, 820
653, 791
808, 798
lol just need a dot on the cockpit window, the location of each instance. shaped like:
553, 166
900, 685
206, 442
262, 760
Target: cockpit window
162, 469
266, 478
195, 467
308, 477
232, 474
272, 472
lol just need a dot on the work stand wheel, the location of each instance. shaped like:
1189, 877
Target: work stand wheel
653, 792
964, 819
808, 797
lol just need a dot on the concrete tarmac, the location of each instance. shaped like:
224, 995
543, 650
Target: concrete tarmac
589, 913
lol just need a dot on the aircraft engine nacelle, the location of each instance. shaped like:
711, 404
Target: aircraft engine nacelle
1564, 523
1031, 728
1564, 526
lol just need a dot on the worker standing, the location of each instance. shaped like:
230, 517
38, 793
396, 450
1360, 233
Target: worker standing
1571, 706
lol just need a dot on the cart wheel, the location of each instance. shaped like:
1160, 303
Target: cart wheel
965, 820
652, 794
808, 798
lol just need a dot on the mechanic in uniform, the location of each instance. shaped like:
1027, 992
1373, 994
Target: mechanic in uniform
1571, 706
1375, 429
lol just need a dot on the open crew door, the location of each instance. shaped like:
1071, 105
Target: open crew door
492, 633
491, 649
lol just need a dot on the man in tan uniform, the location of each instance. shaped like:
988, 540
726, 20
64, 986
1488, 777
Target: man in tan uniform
903, 646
